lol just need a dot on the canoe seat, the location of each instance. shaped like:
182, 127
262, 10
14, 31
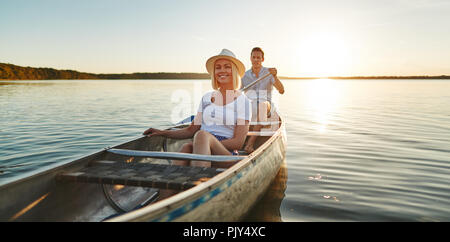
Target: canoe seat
141, 174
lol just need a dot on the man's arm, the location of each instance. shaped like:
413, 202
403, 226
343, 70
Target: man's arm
278, 85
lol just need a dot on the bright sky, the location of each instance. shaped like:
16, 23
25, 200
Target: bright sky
299, 37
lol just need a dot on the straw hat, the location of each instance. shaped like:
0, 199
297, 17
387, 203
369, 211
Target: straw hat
225, 54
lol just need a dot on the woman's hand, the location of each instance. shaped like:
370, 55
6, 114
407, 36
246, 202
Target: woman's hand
154, 132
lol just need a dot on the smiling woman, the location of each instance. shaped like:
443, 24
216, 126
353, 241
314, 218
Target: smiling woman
324, 54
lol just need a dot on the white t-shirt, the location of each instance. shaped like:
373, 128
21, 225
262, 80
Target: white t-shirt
221, 120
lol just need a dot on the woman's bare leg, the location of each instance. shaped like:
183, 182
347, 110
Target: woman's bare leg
206, 144
186, 148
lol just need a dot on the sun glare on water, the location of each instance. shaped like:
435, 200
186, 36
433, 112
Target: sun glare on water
322, 99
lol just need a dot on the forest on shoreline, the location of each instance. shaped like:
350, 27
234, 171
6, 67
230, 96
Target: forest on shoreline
14, 72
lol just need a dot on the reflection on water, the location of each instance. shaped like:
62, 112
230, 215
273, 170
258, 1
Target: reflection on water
268, 208
322, 98
367, 150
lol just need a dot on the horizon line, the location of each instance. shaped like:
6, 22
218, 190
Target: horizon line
443, 76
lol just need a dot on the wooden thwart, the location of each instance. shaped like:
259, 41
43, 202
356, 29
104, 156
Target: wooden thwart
141, 174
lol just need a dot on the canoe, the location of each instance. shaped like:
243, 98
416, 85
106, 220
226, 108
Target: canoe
124, 183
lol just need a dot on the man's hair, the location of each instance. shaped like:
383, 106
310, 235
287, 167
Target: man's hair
258, 49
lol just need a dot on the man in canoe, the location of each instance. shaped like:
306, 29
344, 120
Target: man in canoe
222, 121
261, 92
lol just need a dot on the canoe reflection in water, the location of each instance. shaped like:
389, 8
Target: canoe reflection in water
268, 208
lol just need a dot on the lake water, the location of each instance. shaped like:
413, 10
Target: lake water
358, 150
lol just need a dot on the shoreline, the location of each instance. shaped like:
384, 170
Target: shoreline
10, 72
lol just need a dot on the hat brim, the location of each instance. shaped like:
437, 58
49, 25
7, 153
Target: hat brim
210, 64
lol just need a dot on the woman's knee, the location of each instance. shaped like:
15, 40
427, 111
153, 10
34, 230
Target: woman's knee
186, 148
201, 134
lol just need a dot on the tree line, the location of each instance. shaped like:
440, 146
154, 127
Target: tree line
14, 72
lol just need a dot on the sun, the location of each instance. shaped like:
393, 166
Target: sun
323, 54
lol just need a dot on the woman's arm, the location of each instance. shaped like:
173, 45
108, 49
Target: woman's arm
184, 133
240, 133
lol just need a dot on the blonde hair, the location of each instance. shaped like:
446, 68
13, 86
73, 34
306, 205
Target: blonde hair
236, 78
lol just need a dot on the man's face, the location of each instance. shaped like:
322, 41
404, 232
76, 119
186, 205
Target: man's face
257, 59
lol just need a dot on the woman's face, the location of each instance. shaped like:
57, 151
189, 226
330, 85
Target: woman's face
223, 71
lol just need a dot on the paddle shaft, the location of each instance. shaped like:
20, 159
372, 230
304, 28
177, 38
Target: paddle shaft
254, 82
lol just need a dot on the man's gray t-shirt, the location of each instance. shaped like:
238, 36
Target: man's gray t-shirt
262, 90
